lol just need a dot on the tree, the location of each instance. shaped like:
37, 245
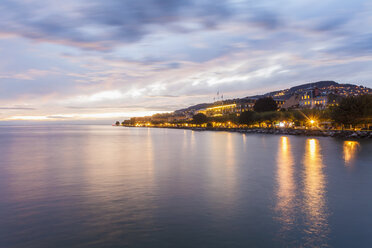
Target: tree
232, 117
127, 122
265, 104
199, 118
269, 117
247, 117
353, 110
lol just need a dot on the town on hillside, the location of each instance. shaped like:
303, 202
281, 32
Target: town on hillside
324, 104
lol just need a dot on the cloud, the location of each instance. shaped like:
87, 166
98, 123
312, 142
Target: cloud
101, 25
27, 75
17, 108
87, 56
358, 45
104, 25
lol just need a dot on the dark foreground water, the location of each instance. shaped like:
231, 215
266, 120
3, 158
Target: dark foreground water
103, 186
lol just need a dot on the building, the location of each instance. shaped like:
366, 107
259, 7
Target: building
177, 118
279, 102
219, 110
236, 106
316, 99
333, 99
245, 104
292, 102
308, 100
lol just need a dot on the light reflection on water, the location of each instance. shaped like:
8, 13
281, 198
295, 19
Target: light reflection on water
221, 172
350, 150
302, 201
286, 192
314, 191
92, 186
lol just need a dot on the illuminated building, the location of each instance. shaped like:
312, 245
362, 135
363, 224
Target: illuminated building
219, 110
279, 101
313, 99
245, 105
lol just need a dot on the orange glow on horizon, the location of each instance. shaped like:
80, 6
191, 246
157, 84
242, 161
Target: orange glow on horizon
87, 116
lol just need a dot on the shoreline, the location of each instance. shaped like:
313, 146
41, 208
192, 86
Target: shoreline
283, 131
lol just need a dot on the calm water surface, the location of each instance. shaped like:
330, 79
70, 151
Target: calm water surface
103, 186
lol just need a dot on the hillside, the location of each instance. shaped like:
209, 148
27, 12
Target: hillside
330, 86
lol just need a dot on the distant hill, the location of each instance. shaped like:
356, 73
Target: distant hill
320, 84
194, 107
343, 89
286, 93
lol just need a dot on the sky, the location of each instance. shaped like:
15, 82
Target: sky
94, 60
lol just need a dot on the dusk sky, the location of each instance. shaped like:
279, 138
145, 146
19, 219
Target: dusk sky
108, 60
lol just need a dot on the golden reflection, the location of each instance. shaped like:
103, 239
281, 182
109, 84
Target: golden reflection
350, 151
286, 184
150, 154
229, 169
193, 138
185, 141
230, 151
314, 194
116, 168
222, 170
107, 165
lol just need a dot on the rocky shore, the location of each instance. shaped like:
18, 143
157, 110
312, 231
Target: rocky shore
283, 131
308, 132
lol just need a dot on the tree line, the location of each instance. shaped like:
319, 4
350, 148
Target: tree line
351, 111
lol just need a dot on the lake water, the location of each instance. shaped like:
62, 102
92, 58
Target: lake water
103, 186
